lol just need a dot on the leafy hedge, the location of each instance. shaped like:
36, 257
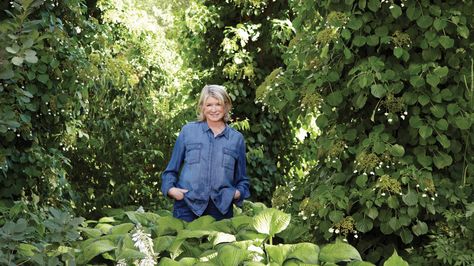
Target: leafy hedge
392, 84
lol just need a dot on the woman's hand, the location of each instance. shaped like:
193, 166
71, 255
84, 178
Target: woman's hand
237, 194
177, 193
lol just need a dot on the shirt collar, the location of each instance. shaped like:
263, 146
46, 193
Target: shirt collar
205, 128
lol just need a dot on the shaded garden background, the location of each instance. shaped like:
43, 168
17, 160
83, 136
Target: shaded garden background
357, 114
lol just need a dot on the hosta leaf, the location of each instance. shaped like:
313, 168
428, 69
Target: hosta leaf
230, 255
201, 222
220, 237
128, 253
395, 260
303, 252
168, 225
271, 221
121, 228
94, 249
360, 263
338, 252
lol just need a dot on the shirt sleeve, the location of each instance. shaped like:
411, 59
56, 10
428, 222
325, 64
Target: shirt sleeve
241, 179
171, 173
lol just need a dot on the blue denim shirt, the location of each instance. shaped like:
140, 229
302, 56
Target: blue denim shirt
211, 168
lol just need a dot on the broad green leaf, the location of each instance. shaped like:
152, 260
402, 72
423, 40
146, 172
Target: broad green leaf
374, 5
372, 213
463, 31
162, 243
104, 228
364, 225
425, 131
442, 160
417, 81
442, 124
438, 110
304, 252
378, 90
424, 160
26, 250
15, 48
90, 232
406, 235
372, 40
360, 263
446, 42
439, 24
453, 108
420, 228
433, 80
355, 23
411, 198
443, 140
230, 255
361, 100
395, 260
398, 52
43, 78
322, 121
128, 253
201, 222
361, 180
394, 223
393, 202
182, 262
395, 10
335, 98
271, 221
359, 40
413, 12
7, 74
121, 228
31, 59
415, 121
106, 220
462, 122
338, 252
94, 249
424, 21
441, 72
220, 237
397, 150
168, 225
18, 61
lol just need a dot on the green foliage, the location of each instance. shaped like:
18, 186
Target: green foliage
36, 236
391, 84
204, 241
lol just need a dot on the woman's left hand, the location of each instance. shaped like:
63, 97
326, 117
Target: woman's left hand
237, 194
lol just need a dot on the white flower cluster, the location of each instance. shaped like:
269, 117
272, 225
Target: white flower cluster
144, 243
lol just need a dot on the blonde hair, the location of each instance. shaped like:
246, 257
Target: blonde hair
218, 92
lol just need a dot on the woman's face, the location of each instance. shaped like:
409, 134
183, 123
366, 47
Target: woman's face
213, 110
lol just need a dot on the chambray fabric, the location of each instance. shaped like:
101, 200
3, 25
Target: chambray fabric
211, 168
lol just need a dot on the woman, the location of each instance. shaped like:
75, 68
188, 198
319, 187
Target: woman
207, 170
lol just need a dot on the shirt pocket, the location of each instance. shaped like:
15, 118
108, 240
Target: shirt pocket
229, 158
193, 153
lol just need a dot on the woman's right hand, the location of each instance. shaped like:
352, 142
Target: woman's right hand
177, 193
